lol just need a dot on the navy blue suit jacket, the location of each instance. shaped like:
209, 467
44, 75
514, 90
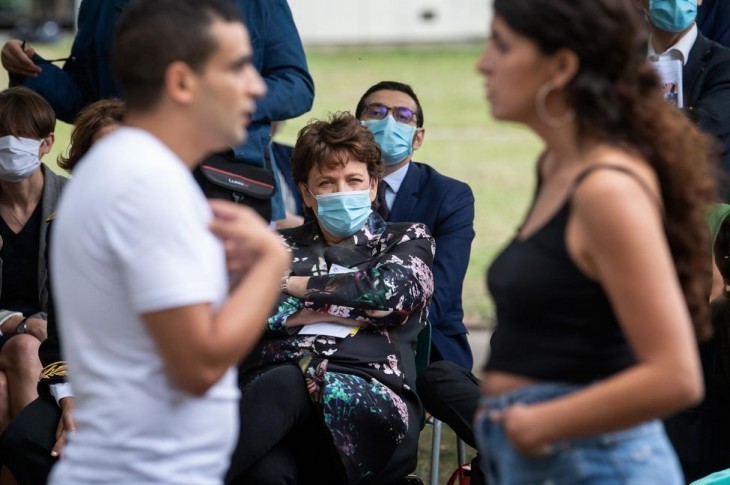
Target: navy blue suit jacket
446, 207
706, 89
713, 20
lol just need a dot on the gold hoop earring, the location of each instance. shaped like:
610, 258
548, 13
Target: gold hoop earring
541, 107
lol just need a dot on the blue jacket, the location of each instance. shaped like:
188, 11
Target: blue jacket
278, 55
87, 75
446, 207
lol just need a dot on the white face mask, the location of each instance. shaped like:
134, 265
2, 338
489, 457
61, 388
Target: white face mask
18, 158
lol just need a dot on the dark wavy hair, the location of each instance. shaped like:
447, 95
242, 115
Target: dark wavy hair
329, 143
617, 99
89, 121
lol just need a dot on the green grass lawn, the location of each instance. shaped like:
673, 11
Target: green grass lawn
462, 141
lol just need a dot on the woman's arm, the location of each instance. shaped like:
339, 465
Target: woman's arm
616, 236
397, 282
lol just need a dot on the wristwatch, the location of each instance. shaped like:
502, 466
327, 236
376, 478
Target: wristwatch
22, 327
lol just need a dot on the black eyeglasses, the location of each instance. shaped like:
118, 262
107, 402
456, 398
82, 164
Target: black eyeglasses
379, 111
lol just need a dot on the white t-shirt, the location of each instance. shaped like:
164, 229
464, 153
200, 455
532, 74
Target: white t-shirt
132, 237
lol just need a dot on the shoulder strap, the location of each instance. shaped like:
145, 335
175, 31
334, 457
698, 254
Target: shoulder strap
607, 166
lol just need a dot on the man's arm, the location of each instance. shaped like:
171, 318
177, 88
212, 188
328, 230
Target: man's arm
290, 88
454, 234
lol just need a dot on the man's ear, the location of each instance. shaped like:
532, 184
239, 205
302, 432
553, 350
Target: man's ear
180, 82
418, 138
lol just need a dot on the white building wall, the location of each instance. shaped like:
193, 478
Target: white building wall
390, 21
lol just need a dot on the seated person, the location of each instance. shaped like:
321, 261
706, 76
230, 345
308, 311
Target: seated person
335, 404
701, 435
29, 192
416, 192
35, 437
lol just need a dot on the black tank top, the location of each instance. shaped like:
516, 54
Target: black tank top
553, 322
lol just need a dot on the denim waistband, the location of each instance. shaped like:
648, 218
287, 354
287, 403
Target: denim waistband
545, 391
541, 391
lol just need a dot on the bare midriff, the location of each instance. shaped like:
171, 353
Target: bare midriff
495, 382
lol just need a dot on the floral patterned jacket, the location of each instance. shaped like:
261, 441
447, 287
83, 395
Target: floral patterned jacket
389, 291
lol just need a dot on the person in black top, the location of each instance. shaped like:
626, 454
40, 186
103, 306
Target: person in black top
597, 293
701, 435
35, 437
28, 195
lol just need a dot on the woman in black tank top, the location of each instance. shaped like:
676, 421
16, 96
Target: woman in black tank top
597, 294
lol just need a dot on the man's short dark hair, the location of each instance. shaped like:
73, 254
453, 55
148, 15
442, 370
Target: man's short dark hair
152, 34
391, 86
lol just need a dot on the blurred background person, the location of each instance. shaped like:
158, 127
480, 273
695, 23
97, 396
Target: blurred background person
599, 290
29, 192
293, 204
86, 76
35, 437
701, 435
704, 76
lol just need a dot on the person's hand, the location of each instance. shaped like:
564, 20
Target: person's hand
17, 59
522, 427
65, 426
245, 235
37, 327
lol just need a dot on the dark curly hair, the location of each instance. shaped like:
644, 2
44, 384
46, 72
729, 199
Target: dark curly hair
331, 142
617, 99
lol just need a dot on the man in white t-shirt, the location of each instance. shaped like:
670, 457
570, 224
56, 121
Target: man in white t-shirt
149, 328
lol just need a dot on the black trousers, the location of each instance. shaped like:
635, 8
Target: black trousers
26, 445
451, 394
283, 439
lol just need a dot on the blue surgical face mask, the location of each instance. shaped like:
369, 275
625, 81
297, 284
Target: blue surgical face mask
18, 158
673, 15
342, 214
394, 139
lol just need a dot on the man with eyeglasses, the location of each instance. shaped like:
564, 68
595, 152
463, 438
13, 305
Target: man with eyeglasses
415, 192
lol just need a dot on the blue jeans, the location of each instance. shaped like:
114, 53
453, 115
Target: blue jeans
638, 455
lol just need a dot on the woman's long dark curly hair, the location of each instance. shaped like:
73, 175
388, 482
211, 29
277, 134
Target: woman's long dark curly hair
617, 99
